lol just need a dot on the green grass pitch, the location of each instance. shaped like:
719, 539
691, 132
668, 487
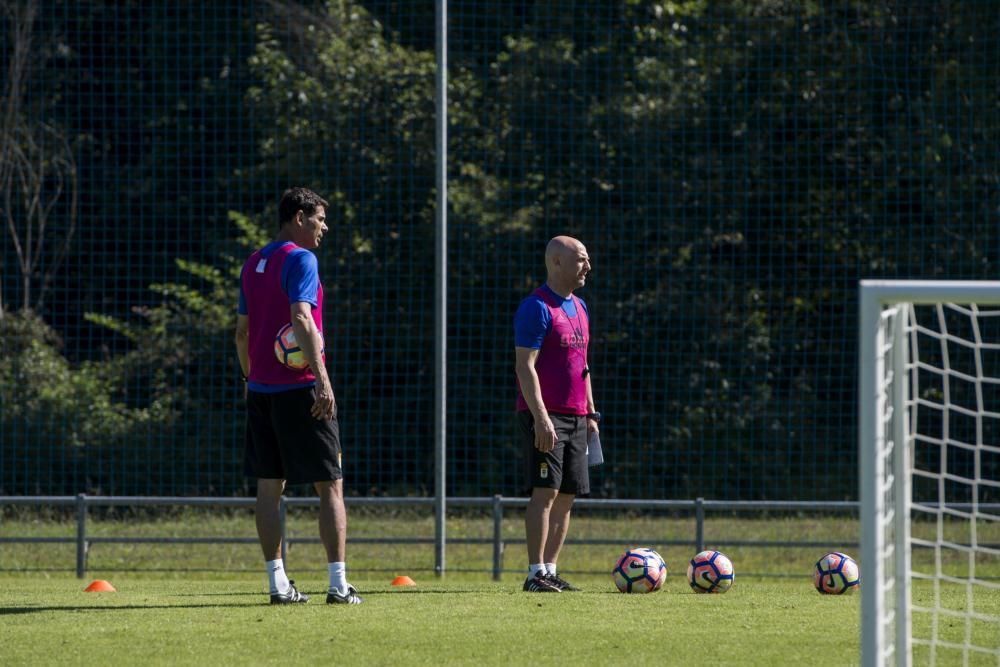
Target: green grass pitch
51, 621
198, 604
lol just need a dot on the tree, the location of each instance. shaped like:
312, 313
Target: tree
38, 179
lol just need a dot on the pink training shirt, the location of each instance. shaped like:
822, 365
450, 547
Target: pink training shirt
269, 310
562, 359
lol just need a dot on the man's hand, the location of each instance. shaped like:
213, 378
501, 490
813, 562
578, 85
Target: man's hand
545, 434
325, 407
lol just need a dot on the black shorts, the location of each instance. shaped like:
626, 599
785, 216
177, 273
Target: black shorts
284, 441
565, 467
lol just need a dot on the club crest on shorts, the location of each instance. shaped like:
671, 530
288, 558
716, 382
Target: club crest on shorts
543, 471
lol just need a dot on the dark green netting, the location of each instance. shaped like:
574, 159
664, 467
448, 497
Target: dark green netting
734, 169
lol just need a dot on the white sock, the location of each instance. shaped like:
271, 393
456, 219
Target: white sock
551, 568
338, 577
276, 576
534, 569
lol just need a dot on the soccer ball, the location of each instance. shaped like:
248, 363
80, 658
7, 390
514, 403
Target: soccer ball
640, 571
710, 572
287, 349
836, 574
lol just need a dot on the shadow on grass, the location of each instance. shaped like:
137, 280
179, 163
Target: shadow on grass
410, 591
9, 611
363, 593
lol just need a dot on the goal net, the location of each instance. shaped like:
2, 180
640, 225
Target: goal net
929, 437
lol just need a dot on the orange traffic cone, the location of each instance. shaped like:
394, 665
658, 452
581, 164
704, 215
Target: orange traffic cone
403, 580
99, 586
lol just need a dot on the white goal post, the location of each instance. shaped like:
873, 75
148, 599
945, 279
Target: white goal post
929, 457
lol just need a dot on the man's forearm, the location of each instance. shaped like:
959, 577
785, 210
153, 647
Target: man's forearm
243, 352
309, 340
531, 390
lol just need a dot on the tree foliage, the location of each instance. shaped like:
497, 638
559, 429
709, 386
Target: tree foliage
733, 167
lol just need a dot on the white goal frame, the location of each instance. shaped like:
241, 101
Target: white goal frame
885, 455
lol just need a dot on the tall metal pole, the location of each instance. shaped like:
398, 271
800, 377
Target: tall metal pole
440, 281
870, 373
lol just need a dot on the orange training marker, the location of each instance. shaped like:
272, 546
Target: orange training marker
403, 580
99, 586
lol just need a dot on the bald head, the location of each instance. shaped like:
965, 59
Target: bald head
567, 264
561, 246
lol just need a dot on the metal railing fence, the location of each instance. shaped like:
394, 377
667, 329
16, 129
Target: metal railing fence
698, 507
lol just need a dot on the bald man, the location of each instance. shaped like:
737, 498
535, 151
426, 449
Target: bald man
555, 406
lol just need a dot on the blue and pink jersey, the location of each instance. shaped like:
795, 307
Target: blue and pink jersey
560, 330
276, 276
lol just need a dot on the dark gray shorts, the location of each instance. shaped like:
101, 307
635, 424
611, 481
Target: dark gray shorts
565, 467
284, 441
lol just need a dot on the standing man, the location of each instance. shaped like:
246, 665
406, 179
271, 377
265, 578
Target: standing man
292, 431
555, 406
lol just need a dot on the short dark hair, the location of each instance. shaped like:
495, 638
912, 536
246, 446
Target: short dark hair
294, 200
